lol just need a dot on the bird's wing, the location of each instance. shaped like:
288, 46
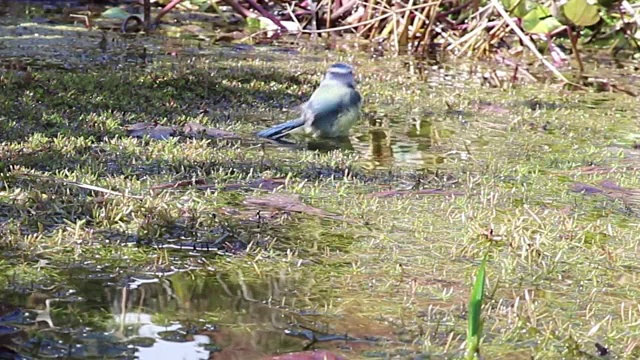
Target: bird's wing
328, 102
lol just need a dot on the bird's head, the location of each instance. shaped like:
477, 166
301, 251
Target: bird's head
342, 73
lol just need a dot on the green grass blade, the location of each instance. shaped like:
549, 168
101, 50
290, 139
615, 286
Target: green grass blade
474, 332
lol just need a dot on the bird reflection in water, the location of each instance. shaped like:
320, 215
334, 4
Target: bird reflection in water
380, 147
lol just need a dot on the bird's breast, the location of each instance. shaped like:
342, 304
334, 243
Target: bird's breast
345, 121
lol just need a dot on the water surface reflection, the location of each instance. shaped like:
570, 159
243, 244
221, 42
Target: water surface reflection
189, 315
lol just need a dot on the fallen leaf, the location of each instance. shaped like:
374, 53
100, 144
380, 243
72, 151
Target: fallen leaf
284, 202
115, 13
610, 185
630, 197
221, 134
138, 126
161, 132
193, 129
585, 188
158, 132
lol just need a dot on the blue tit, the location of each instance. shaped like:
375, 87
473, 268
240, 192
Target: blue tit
330, 112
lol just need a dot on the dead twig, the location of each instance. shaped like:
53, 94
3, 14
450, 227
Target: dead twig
162, 13
343, 10
239, 9
266, 14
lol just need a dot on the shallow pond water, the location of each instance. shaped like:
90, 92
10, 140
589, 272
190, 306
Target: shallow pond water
188, 315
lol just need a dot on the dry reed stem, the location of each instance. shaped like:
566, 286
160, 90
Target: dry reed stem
80, 185
528, 42
376, 19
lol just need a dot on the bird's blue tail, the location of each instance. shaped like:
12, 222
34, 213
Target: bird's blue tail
281, 130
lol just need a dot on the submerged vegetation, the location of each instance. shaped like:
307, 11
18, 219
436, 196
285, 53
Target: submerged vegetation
140, 215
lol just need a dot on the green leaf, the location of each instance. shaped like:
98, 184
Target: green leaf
474, 331
115, 13
581, 12
518, 8
253, 23
540, 21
